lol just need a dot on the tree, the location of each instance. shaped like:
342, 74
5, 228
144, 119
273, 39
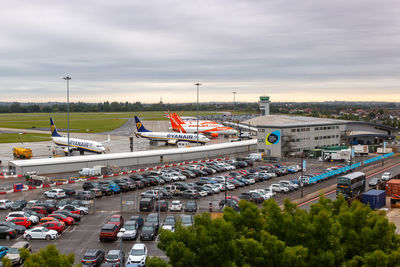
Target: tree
330, 234
49, 257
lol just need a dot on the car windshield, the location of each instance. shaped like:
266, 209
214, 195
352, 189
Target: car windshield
186, 219
152, 219
147, 228
114, 219
130, 227
112, 256
13, 251
137, 252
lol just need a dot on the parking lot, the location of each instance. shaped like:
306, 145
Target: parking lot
85, 234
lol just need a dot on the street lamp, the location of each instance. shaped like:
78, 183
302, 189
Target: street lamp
120, 235
197, 85
67, 78
234, 102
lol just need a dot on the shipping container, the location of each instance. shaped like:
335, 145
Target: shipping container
376, 199
393, 187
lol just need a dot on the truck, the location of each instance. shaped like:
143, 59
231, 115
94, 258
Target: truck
360, 149
337, 155
22, 153
94, 171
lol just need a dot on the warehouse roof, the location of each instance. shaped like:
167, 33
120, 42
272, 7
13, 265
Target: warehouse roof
285, 121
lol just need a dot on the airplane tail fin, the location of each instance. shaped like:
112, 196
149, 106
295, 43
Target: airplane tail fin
53, 128
176, 123
139, 126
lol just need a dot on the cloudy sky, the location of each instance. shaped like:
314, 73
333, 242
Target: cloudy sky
143, 50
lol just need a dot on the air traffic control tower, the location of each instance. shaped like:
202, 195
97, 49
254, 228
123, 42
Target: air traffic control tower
264, 105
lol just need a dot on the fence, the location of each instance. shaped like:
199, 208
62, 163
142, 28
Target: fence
348, 168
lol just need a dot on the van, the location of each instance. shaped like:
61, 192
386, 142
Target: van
255, 156
146, 204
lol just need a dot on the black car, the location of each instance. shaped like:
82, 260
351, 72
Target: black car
163, 205
67, 213
149, 232
139, 184
105, 190
154, 219
139, 220
19, 228
191, 206
123, 186
188, 174
93, 257
7, 232
252, 197
69, 191
32, 212
146, 204
18, 205
89, 185
63, 202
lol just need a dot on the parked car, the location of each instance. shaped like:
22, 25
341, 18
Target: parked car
18, 205
131, 230
3, 251
149, 231
191, 206
137, 255
386, 176
146, 204
14, 254
187, 220
40, 233
75, 209
63, 218
63, 202
139, 220
190, 193
163, 205
169, 220
176, 205
252, 197
67, 213
69, 192
116, 257
34, 219
54, 225
5, 204
19, 228
109, 232
154, 219
24, 221
279, 188
117, 219
7, 232
93, 257
55, 193
86, 195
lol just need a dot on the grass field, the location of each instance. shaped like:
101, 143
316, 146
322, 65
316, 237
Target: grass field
80, 122
27, 137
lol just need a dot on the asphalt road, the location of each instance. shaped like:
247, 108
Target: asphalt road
78, 238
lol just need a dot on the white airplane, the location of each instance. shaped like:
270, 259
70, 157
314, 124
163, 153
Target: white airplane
168, 138
75, 144
214, 130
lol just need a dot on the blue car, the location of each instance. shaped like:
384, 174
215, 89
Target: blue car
3, 251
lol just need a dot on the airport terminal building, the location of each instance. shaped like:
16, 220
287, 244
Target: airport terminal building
286, 136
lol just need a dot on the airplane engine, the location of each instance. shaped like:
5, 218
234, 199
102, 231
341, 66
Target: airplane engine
214, 135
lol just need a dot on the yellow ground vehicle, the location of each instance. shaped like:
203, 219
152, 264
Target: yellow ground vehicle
22, 153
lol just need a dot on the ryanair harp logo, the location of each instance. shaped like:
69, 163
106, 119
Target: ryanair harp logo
273, 138
52, 128
138, 125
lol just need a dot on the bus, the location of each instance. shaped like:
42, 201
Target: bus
351, 185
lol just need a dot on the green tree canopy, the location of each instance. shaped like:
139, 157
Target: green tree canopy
330, 234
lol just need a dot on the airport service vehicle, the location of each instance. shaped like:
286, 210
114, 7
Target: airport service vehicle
34, 219
131, 230
75, 144
351, 185
40, 232
386, 176
168, 138
138, 254
55, 193
93, 257
22, 153
5, 204
176, 205
214, 130
7, 232
116, 257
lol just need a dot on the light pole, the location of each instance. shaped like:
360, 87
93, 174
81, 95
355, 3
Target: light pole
120, 235
197, 85
234, 102
67, 78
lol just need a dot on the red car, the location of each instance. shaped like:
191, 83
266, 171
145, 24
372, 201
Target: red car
54, 225
118, 220
39, 209
72, 209
21, 221
63, 218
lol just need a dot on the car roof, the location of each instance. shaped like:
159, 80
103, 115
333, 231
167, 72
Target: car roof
91, 251
138, 246
114, 252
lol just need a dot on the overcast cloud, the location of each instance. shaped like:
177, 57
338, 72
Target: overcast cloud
143, 50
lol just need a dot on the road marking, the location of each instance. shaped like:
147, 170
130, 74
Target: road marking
333, 191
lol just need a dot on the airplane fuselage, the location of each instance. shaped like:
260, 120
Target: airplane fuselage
79, 144
175, 137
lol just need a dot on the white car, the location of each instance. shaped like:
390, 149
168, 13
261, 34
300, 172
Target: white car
168, 227
263, 193
138, 254
32, 203
269, 191
180, 175
286, 182
386, 176
55, 193
5, 204
70, 207
34, 219
215, 189
130, 230
176, 205
40, 233
279, 188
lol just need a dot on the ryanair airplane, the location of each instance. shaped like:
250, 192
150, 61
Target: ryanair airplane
75, 144
168, 138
